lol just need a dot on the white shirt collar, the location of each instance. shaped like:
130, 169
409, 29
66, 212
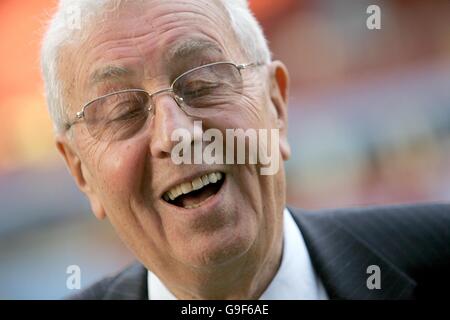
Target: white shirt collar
294, 280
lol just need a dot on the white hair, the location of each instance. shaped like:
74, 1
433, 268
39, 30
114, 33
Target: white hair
60, 32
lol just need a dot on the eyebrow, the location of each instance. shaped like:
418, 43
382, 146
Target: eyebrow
179, 51
110, 72
192, 47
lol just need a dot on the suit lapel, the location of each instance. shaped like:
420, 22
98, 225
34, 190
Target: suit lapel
341, 259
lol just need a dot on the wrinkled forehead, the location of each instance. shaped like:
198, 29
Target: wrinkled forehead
160, 31
161, 20
146, 38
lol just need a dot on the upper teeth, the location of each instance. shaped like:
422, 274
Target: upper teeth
195, 184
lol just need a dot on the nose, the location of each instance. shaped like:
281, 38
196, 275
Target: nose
168, 117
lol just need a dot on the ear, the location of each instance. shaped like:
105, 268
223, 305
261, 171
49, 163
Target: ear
81, 175
279, 87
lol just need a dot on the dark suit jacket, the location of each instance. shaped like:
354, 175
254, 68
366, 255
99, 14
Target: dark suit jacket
410, 244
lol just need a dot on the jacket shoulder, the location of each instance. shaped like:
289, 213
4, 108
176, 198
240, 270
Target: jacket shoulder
414, 238
128, 284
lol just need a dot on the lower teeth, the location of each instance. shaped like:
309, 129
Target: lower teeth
193, 206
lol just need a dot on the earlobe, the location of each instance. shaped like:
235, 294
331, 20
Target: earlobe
97, 208
279, 95
79, 172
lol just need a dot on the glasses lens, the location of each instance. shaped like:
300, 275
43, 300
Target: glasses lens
118, 116
212, 87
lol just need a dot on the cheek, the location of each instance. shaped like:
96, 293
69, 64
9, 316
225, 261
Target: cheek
249, 113
255, 109
121, 169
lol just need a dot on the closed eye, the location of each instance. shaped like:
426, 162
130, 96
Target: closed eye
128, 110
200, 89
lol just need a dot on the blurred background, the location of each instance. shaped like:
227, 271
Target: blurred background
369, 124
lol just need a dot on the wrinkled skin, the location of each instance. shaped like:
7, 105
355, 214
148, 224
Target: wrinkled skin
230, 248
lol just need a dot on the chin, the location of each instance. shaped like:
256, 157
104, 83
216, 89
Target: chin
217, 249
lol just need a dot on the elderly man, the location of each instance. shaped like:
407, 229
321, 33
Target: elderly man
133, 73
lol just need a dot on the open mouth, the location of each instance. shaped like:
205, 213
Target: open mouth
192, 194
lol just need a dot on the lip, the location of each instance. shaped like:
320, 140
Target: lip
207, 205
188, 178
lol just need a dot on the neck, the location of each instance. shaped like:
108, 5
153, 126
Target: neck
240, 280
